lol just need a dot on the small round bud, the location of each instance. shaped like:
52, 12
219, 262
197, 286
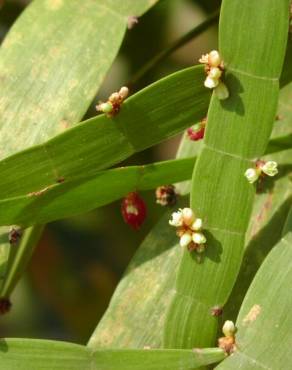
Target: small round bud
124, 92
214, 58
177, 219
252, 175
199, 238
185, 240
215, 73
188, 216
211, 83
197, 224
229, 328
105, 107
196, 135
114, 98
270, 168
221, 91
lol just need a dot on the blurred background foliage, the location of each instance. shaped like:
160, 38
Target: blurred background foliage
79, 260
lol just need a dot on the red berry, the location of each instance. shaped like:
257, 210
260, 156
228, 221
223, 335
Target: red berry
133, 210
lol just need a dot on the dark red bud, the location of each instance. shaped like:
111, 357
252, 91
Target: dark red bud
133, 210
196, 135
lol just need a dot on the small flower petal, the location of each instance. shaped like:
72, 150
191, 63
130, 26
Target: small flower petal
188, 216
197, 224
211, 83
221, 91
252, 175
177, 219
270, 168
215, 73
199, 238
185, 240
204, 59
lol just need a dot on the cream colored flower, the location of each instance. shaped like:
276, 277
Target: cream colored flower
252, 175
229, 328
270, 168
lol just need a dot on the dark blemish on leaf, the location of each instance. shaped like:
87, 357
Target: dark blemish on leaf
60, 180
5, 306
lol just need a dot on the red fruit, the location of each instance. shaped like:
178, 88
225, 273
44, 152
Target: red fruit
196, 135
133, 210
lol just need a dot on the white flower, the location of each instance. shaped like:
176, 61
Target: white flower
204, 59
270, 168
229, 328
197, 224
211, 83
177, 219
199, 238
188, 216
252, 175
185, 239
214, 58
215, 73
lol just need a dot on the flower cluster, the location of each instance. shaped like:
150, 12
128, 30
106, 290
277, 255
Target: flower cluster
214, 67
166, 195
114, 102
262, 169
197, 132
189, 230
227, 343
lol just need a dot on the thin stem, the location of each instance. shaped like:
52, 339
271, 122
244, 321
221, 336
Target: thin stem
174, 46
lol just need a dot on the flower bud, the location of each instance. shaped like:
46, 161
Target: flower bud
214, 58
221, 91
114, 98
215, 73
105, 107
270, 168
252, 175
229, 328
211, 83
188, 216
185, 239
197, 224
124, 92
199, 238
